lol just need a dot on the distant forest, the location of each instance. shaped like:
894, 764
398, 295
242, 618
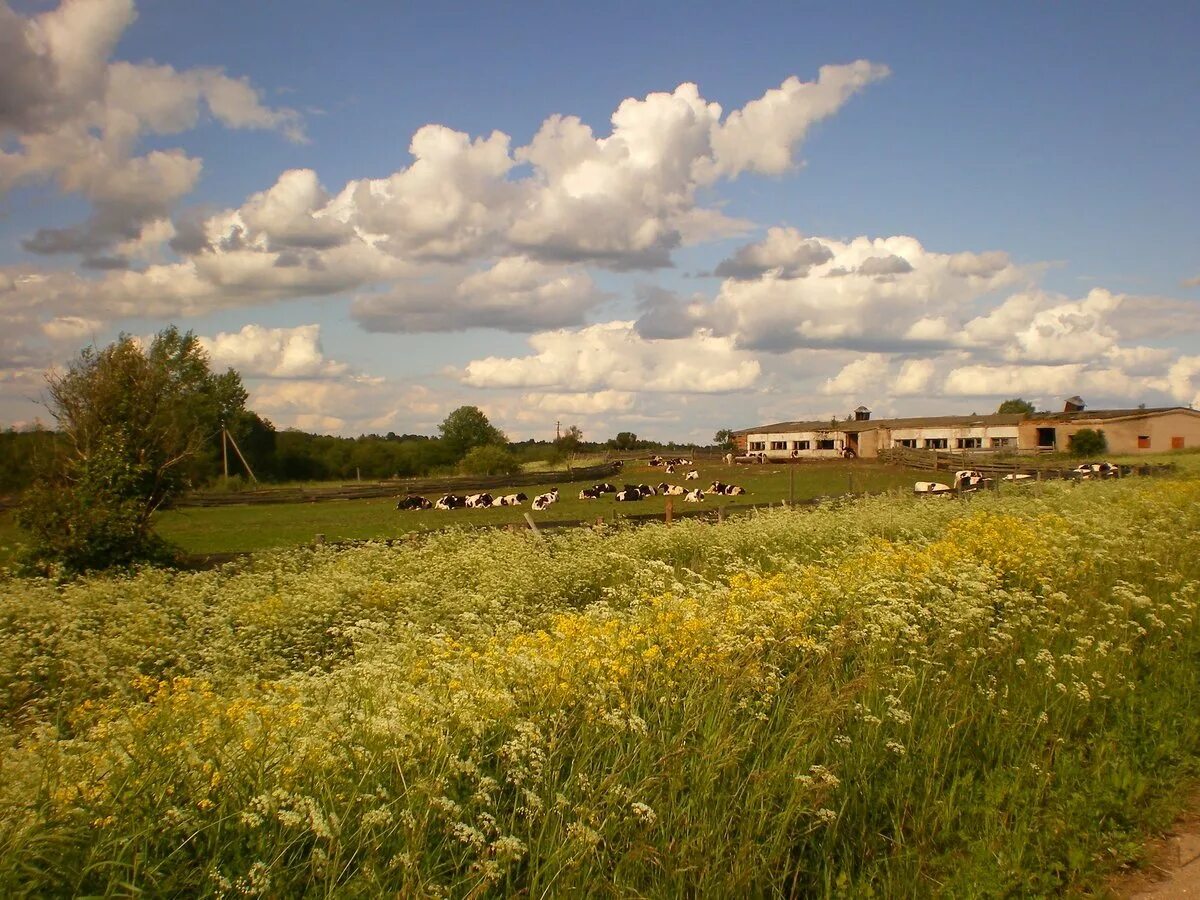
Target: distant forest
291, 455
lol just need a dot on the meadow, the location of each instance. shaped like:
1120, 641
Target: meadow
880, 697
232, 529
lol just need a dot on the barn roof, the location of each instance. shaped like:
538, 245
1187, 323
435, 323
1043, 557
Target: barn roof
851, 426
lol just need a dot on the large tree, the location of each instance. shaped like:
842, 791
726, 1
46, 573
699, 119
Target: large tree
468, 427
134, 422
724, 439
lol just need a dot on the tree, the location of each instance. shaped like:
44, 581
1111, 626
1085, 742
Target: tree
625, 440
468, 427
724, 439
570, 439
1016, 405
133, 422
1087, 442
489, 459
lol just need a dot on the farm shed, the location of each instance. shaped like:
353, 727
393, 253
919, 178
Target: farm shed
1127, 430
862, 436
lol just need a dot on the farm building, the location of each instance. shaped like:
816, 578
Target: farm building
1127, 431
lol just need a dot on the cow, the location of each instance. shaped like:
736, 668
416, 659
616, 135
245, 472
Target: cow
451, 501
932, 487
655, 461
589, 494
412, 501
970, 480
670, 469
694, 496
479, 501
1019, 477
646, 490
731, 490
671, 490
510, 500
629, 494
542, 501
605, 488
693, 475
1096, 470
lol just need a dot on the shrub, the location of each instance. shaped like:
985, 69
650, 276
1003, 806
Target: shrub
489, 460
1087, 442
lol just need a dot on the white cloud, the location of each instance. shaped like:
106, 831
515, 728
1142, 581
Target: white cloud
585, 404
77, 119
515, 294
612, 356
258, 352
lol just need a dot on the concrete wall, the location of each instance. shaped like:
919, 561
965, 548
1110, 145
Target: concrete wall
1122, 434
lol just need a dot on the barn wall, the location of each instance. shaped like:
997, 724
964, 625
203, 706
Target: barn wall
1122, 434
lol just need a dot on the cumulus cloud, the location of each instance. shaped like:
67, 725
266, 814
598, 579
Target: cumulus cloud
77, 119
613, 356
259, 352
585, 404
664, 315
516, 294
889, 293
784, 253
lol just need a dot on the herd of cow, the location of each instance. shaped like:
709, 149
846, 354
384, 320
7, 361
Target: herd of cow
628, 493
966, 480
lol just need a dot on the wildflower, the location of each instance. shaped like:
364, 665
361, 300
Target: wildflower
647, 815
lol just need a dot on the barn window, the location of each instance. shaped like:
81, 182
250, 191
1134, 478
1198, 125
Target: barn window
778, 445
758, 445
1002, 442
800, 445
935, 443
1143, 442
911, 443
1177, 443
825, 444
971, 443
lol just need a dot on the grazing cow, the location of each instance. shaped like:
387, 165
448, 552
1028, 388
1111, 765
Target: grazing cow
932, 487
412, 501
542, 501
479, 501
605, 488
671, 490
694, 496
693, 475
510, 500
628, 495
451, 501
589, 494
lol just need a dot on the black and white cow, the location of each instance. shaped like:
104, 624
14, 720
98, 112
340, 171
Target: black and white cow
655, 461
479, 501
589, 494
646, 490
510, 500
605, 488
932, 487
729, 490
694, 496
693, 475
671, 490
543, 501
451, 501
670, 469
630, 494
412, 501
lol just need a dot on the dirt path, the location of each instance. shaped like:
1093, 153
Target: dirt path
1173, 863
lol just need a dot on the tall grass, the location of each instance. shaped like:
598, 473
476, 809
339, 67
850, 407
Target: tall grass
907, 699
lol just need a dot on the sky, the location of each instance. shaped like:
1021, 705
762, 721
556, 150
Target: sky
640, 217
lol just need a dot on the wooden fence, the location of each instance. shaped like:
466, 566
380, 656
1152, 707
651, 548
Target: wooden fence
988, 464
399, 486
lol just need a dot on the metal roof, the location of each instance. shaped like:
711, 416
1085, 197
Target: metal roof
852, 426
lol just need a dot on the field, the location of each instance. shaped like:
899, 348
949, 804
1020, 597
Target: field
886, 697
231, 529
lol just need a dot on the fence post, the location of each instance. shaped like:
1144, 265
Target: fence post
720, 514
533, 525
669, 510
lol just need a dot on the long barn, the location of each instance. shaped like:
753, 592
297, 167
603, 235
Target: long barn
1127, 431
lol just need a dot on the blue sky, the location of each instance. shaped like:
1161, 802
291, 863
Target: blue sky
998, 201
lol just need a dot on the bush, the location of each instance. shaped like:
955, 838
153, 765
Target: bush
1087, 442
489, 460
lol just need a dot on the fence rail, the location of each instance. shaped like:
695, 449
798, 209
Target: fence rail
944, 460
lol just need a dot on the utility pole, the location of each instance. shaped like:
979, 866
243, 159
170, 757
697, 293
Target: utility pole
557, 431
224, 451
